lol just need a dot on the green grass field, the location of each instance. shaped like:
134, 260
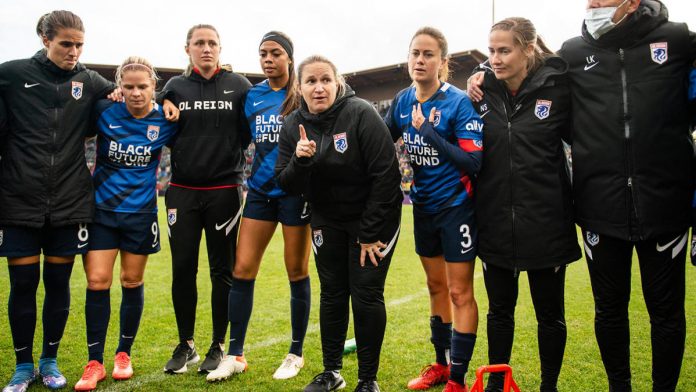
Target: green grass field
406, 348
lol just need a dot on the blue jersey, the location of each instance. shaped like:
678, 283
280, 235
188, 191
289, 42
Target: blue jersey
262, 110
128, 153
437, 183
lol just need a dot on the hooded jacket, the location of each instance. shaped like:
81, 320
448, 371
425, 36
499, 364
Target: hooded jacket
353, 178
631, 145
43, 173
524, 209
209, 148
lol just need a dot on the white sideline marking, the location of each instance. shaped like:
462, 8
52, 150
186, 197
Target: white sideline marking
138, 382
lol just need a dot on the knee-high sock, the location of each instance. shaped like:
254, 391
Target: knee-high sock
441, 337
97, 314
21, 309
241, 302
132, 301
462, 349
56, 308
300, 303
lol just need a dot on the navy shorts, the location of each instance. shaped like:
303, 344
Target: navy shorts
16, 241
289, 210
451, 232
134, 233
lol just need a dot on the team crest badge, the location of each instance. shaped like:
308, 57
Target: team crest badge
592, 238
438, 117
153, 132
658, 52
1, 236
542, 109
76, 90
340, 144
171, 216
318, 238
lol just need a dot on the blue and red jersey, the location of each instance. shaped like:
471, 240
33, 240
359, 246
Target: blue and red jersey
262, 109
128, 154
437, 183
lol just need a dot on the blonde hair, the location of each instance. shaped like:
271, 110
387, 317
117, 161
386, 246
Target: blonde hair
321, 59
524, 34
133, 63
436, 34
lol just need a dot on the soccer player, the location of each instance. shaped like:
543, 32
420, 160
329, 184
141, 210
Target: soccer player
632, 174
204, 193
266, 205
337, 152
46, 196
445, 154
523, 203
130, 137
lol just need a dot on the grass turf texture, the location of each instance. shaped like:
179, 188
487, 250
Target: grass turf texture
406, 347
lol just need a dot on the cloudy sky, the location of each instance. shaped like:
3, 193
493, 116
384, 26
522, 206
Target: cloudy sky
355, 34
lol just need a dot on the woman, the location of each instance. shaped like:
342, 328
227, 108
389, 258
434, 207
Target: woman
524, 205
46, 196
204, 193
445, 154
336, 151
266, 205
130, 137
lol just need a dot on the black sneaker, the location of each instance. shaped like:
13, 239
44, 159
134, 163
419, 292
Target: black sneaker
367, 386
212, 358
325, 382
183, 356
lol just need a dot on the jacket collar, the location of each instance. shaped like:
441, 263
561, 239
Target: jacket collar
649, 15
326, 119
50, 66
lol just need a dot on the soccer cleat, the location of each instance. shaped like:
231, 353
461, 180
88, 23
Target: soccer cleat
212, 358
94, 372
23, 376
453, 386
123, 370
367, 386
326, 381
289, 368
229, 365
431, 375
183, 356
51, 377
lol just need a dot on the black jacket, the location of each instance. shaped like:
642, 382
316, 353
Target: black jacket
213, 133
43, 174
631, 144
359, 185
523, 205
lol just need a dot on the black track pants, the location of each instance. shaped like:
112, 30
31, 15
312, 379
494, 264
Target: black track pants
337, 256
661, 263
189, 212
547, 287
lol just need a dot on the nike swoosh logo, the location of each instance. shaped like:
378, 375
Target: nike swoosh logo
482, 115
219, 227
662, 248
404, 115
53, 343
304, 216
80, 246
92, 344
155, 244
27, 85
20, 349
590, 66
126, 337
468, 250
258, 103
227, 91
115, 126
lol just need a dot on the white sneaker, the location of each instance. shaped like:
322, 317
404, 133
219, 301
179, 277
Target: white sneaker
289, 368
229, 365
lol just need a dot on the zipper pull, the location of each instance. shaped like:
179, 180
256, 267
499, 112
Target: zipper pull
630, 182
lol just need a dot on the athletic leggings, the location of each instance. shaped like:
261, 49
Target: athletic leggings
547, 290
337, 255
189, 212
661, 263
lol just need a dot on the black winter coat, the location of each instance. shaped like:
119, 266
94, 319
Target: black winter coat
43, 173
632, 151
213, 132
523, 204
353, 178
